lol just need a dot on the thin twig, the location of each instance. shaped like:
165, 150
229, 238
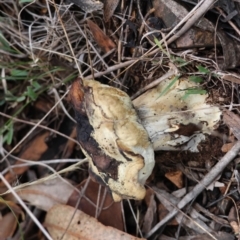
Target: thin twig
110, 69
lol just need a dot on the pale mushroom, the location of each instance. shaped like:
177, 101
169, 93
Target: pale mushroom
111, 135
174, 122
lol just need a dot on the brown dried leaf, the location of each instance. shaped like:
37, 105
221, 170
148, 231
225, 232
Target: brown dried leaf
233, 122
47, 194
109, 8
67, 223
108, 209
163, 212
227, 146
150, 217
43, 105
7, 202
33, 152
8, 225
176, 178
100, 37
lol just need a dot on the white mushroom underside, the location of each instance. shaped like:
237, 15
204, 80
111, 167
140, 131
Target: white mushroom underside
163, 116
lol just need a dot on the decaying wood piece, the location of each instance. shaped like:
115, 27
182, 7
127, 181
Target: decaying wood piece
111, 135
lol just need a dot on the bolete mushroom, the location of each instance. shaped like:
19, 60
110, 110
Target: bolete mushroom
119, 141
112, 137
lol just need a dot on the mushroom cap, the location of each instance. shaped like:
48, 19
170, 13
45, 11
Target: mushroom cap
111, 135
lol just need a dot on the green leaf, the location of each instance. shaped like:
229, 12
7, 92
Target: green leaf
5, 45
2, 102
202, 69
21, 98
180, 61
189, 92
173, 81
36, 85
160, 46
26, 1
9, 97
31, 94
195, 79
9, 135
19, 73
158, 43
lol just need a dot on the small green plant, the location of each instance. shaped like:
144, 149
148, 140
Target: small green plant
203, 70
24, 84
196, 79
26, 1
180, 62
192, 91
5, 46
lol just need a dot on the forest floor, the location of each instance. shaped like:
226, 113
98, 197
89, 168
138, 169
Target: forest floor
178, 61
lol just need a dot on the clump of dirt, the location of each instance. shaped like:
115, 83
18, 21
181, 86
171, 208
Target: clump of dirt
209, 153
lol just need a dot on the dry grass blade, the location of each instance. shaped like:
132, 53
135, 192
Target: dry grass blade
82, 227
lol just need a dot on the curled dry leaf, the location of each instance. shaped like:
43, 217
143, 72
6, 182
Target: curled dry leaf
67, 223
33, 151
227, 147
8, 225
175, 122
45, 195
90, 205
150, 217
176, 178
100, 37
113, 138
